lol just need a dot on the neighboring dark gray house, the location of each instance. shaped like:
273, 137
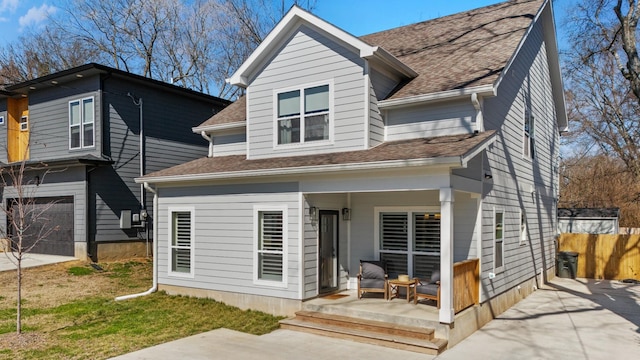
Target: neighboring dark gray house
85, 125
588, 220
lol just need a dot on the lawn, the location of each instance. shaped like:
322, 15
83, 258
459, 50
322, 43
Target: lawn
69, 312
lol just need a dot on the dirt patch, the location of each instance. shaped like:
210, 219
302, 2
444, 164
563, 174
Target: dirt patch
53, 285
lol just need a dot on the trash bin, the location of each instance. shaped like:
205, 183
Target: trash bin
567, 264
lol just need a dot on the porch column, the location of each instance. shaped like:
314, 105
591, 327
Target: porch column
446, 256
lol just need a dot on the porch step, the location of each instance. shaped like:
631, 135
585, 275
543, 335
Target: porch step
367, 331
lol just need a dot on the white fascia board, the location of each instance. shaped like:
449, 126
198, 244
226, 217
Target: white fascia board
290, 21
387, 58
485, 90
471, 154
452, 161
219, 127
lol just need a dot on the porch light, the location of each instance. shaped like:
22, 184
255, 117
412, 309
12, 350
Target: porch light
313, 213
346, 214
488, 176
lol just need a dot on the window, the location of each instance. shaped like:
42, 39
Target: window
81, 123
181, 230
271, 242
524, 234
1, 120
498, 240
24, 123
409, 242
528, 128
303, 115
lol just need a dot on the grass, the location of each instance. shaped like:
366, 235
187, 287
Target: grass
95, 326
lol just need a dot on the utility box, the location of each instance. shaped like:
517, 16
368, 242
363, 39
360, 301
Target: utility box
125, 219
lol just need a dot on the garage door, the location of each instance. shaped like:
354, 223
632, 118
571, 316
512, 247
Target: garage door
58, 212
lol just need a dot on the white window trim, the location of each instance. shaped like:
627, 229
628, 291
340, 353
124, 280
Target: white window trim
302, 143
1, 119
495, 240
524, 227
192, 259
400, 209
80, 101
26, 122
285, 244
527, 106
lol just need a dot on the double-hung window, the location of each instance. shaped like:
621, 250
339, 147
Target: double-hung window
303, 115
81, 123
181, 241
271, 243
409, 242
498, 240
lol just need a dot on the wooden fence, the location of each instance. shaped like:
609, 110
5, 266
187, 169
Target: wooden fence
466, 284
604, 256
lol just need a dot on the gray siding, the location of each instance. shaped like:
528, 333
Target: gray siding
383, 83
49, 121
308, 58
518, 182
324, 202
440, 119
224, 238
376, 123
230, 144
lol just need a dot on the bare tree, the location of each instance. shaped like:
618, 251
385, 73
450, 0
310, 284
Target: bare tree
600, 181
603, 71
26, 220
40, 53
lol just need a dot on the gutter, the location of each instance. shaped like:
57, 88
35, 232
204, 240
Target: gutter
484, 91
154, 286
220, 127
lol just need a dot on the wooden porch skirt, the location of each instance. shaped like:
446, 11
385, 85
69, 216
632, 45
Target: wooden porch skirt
466, 284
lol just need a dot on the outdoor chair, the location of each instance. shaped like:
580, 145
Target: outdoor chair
372, 278
429, 290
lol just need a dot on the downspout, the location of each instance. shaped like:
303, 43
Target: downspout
154, 286
210, 140
476, 101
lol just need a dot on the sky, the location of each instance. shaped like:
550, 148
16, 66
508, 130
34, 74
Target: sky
358, 17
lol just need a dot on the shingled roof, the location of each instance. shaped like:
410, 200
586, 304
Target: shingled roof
467, 49
415, 149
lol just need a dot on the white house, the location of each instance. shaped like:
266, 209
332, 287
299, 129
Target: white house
423, 145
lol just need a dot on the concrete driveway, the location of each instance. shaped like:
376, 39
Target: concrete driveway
568, 319
31, 260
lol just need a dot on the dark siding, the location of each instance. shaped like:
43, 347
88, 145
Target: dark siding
168, 119
49, 119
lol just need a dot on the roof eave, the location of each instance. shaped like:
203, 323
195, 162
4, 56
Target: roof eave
387, 58
219, 127
451, 161
291, 21
484, 90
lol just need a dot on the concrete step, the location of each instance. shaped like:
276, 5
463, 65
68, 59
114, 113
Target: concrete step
366, 331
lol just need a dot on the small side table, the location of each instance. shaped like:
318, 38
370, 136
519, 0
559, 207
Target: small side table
395, 284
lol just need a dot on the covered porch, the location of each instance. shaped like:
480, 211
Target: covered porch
413, 231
